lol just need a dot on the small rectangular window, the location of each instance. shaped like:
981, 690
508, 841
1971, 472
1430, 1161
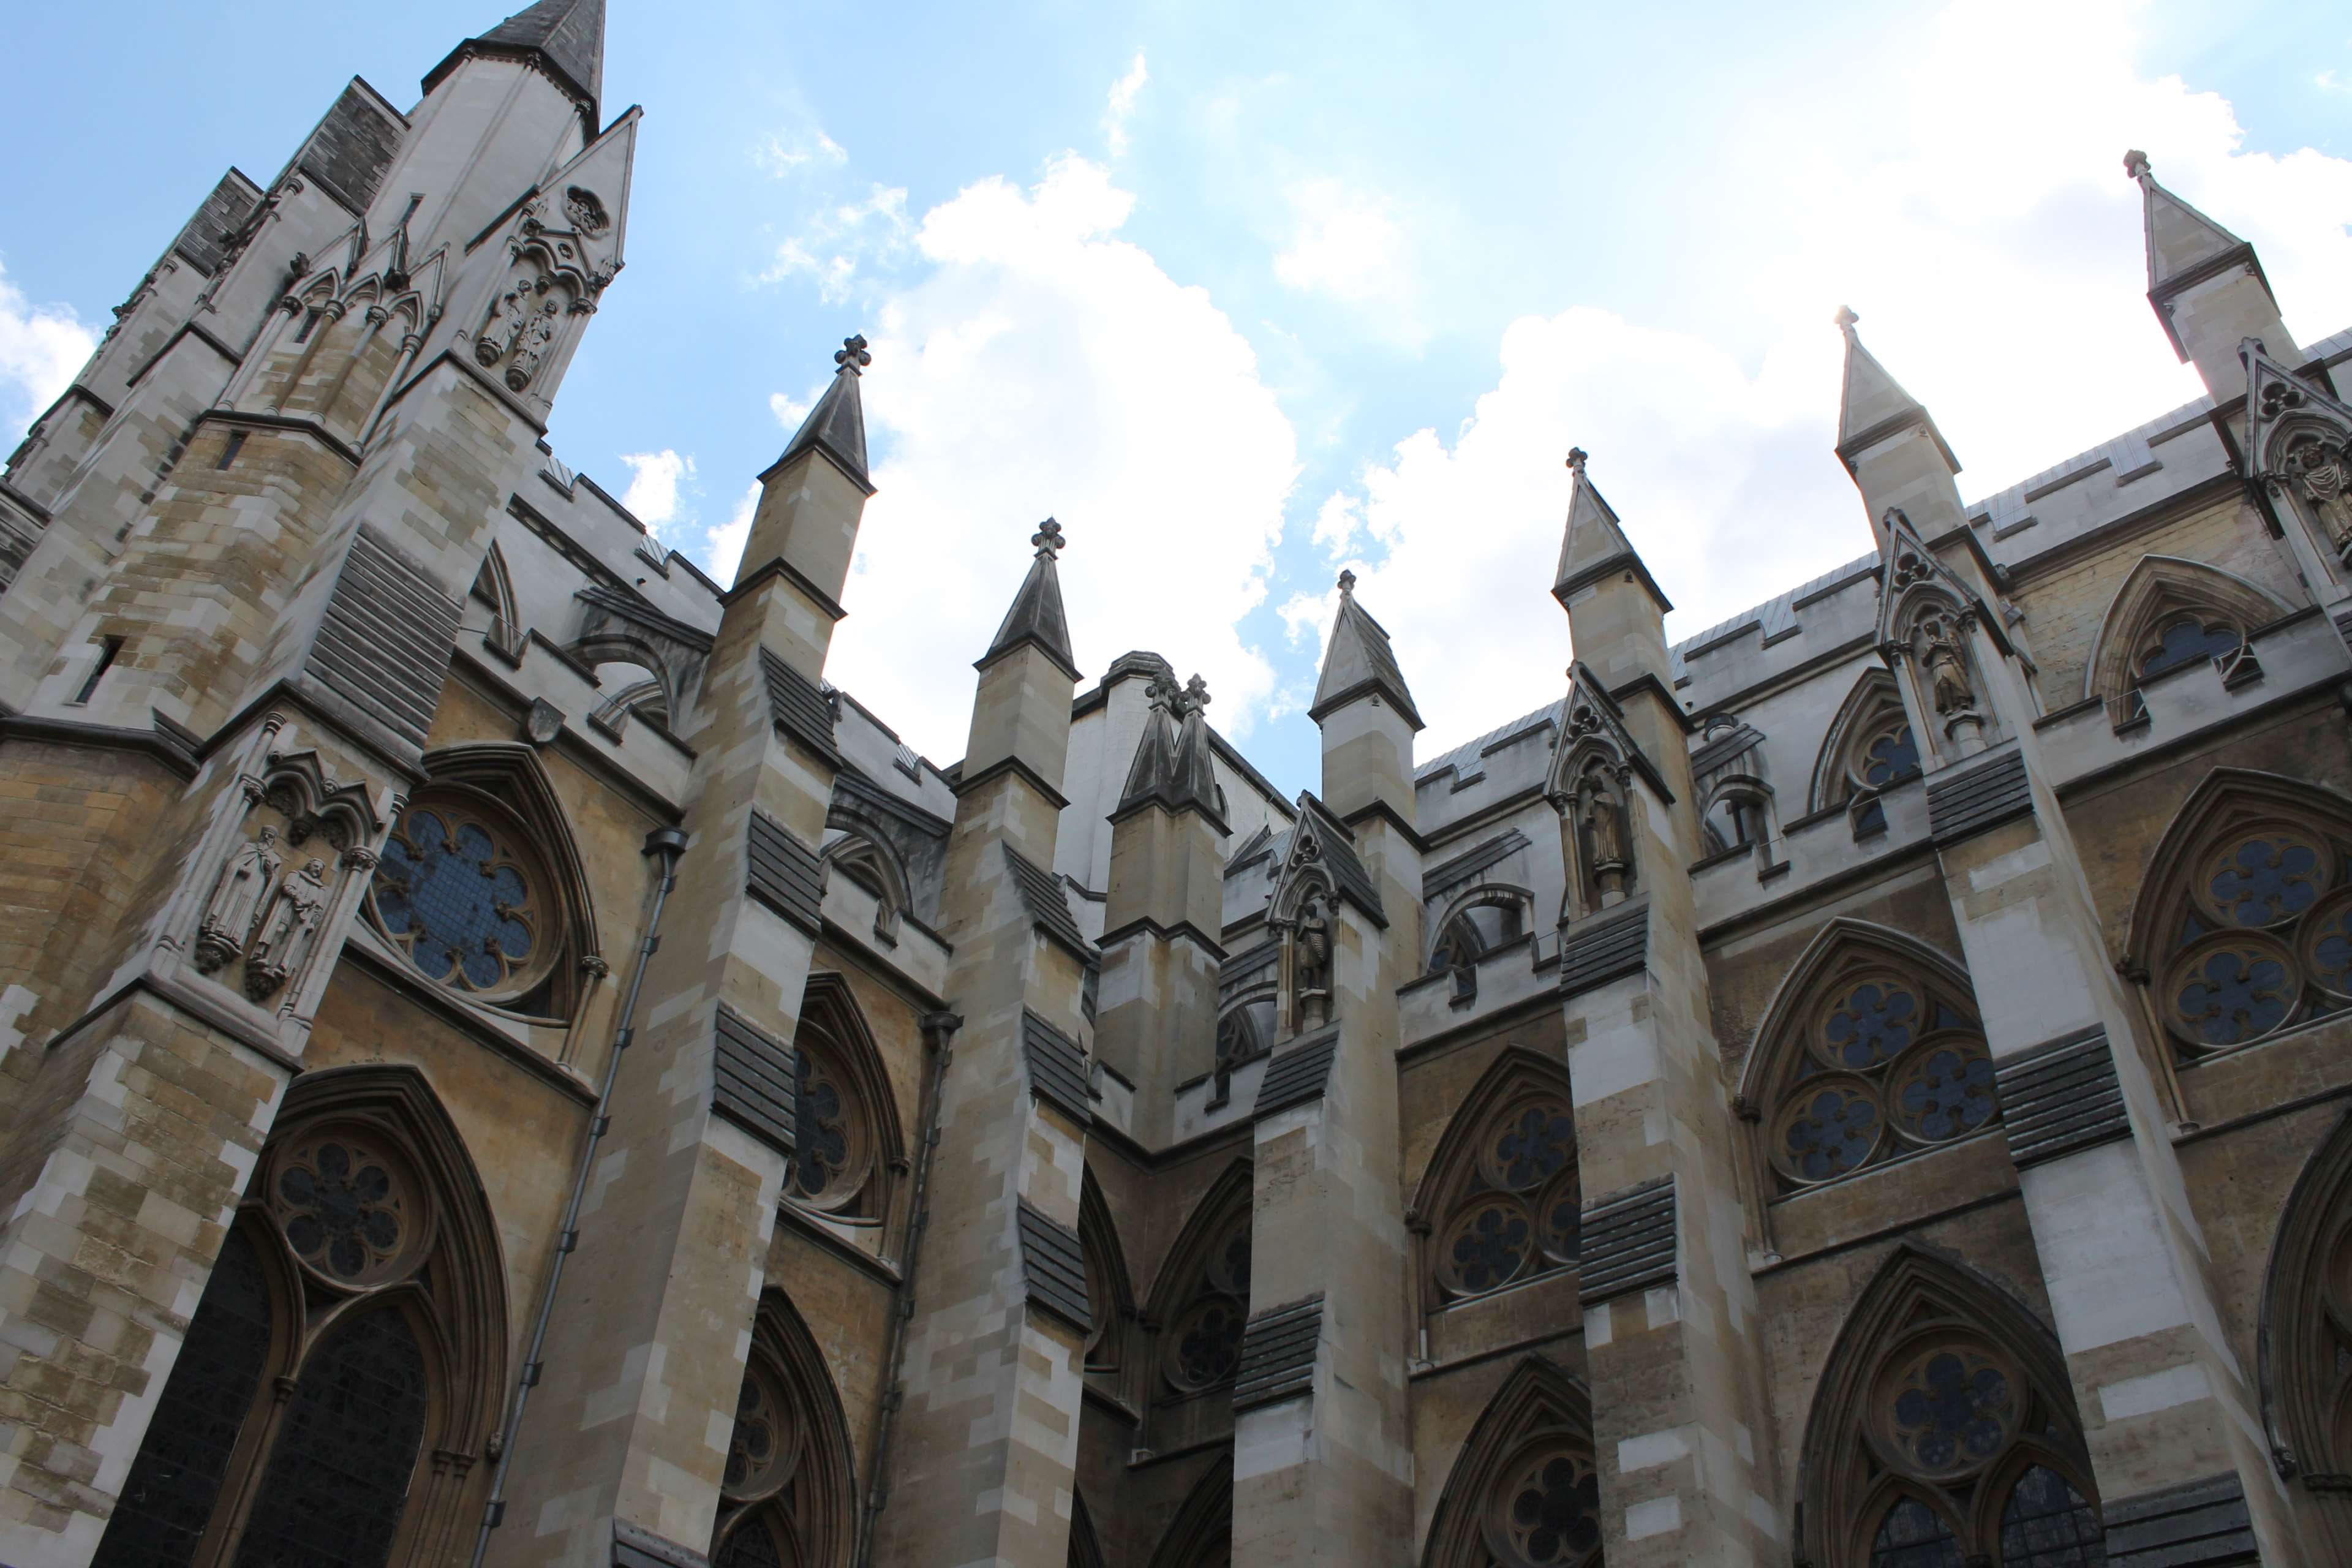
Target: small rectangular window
107, 650
230, 452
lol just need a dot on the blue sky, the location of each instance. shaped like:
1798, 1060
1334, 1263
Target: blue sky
1245, 293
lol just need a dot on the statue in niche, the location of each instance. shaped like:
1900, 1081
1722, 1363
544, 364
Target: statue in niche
235, 903
288, 931
1310, 964
510, 314
1600, 814
531, 347
2319, 470
1937, 641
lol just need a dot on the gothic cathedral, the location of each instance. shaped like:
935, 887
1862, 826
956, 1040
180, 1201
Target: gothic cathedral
505, 1063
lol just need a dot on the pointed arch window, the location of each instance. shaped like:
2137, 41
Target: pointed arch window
1870, 749
2172, 614
1524, 1490
1503, 1198
1202, 1300
1945, 1432
354, 1322
785, 1492
2244, 928
1871, 1052
2306, 1339
844, 1117
1111, 1299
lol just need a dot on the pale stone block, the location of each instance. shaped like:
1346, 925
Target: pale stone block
2001, 868
2156, 1391
1656, 1517
2103, 1248
1652, 1450
1597, 1327
1662, 1305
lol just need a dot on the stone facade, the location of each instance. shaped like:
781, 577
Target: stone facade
506, 1063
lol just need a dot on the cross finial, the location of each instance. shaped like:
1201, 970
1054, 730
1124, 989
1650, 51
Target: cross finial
1576, 459
1347, 583
1847, 318
1196, 692
1048, 540
2135, 164
853, 356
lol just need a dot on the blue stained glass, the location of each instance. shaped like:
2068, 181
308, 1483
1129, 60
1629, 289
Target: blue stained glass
1914, 1535
1955, 1413
2047, 1524
1492, 1251
2267, 879
1949, 1094
1891, 759
1834, 1135
464, 916
1558, 1513
2332, 954
2236, 997
817, 1125
1872, 1024
2184, 642
1533, 1148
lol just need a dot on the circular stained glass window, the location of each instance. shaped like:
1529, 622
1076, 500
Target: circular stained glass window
2266, 878
460, 894
1942, 1088
1948, 1409
1529, 1146
1871, 1025
1559, 1216
1546, 1510
2229, 989
765, 1444
1488, 1244
1830, 1127
347, 1206
2326, 944
1205, 1346
832, 1157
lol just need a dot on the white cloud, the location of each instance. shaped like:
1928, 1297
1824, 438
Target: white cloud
1345, 243
1995, 256
41, 348
845, 243
723, 545
654, 481
1041, 365
789, 411
780, 158
1121, 107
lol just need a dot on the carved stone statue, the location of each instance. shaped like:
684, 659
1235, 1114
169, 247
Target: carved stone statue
236, 902
1601, 813
531, 347
2319, 472
1310, 964
1945, 667
288, 931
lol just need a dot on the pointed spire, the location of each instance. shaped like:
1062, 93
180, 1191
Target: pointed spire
1359, 662
1594, 544
563, 38
1173, 763
1036, 616
837, 426
2181, 239
1873, 404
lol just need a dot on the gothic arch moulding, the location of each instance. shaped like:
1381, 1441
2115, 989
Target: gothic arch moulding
1201, 1299
850, 1150
1110, 1294
345, 1369
788, 1494
1869, 749
2170, 613
1870, 1051
1201, 1533
2243, 929
1524, 1490
1944, 1426
869, 860
1085, 1550
2306, 1339
1500, 1201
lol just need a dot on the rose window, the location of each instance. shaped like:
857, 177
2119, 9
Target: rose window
458, 892
1517, 1213
2262, 938
1544, 1512
344, 1208
1890, 758
1203, 1349
1951, 1410
765, 1443
1889, 1066
821, 1131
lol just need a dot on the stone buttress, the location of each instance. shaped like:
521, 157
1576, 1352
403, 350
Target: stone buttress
985, 1447
1322, 1456
1670, 1316
1156, 1019
673, 1249
2163, 1402
251, 522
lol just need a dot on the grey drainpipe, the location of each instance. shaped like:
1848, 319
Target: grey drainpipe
937, 1029
670, 844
